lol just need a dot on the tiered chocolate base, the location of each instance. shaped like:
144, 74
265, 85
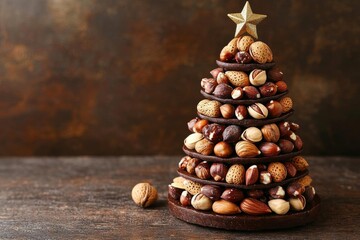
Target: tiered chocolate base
245, 222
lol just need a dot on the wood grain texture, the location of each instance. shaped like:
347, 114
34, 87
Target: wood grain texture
89, 198
123, 77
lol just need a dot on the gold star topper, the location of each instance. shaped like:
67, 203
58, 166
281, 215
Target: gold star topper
246, 21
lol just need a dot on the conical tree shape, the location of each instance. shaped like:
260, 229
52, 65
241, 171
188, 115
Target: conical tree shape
243, 169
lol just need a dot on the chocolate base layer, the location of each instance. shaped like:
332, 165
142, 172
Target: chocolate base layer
244, 67
232, 160
250, 122
245, 222
187, 175
243, 101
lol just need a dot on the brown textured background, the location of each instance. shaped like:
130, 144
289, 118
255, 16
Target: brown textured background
122, 77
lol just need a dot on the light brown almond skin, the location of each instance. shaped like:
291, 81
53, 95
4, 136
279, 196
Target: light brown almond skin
225, 207
210, 108
235, 174
300, 163
261, 52
246, 149
238, 78
277, 171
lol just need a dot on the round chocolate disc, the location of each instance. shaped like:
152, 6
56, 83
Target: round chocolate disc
243, 101
249, 122
243, 221
244, 67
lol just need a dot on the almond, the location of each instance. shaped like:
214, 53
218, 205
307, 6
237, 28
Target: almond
244, 43
305, 181
226, 54
279, 206
238, 78
251, 175
210, 108
225, 207
290, 168
192, 187
251, 92
286, 103
260, 52
300, 163
269, 149
235, 174
254, 207
277, 171
246, 149
232, 45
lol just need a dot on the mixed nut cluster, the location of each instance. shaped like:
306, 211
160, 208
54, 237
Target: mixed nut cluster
243, 175
241, 146
230, 201
245, 49
240, 85
225, 141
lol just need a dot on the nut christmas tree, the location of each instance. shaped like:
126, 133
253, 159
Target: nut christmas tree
243, 169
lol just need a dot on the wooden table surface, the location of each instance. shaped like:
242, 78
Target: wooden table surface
89, 198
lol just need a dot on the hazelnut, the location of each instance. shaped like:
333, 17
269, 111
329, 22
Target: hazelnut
232, 134
298, 203
271, 132
251, 92
192, 163
208, 84
202, 170
295, 189
218, 171
257, 111
192, 123
174, 192
223, 90
241, 112
215, 72
183, 162
222, 78
211, 191
281, 86
237, 93
269, 149
275, 108
201, 202
309, 193
227, 110
233, 195
192, 139
199, 125
144, 194
246, 149
255, 193
279, 206
204, 147
185, 198
257, 77
268, 89
243, 57
223, 149
275, 74
251, 175
213, 132
277, 192
265, 177
286, 146
252, 134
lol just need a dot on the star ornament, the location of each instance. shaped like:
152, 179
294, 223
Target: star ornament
246, 21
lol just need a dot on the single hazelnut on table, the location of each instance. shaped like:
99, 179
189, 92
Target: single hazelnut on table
144, 194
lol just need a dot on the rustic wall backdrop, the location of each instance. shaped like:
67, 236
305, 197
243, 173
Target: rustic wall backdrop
122, 77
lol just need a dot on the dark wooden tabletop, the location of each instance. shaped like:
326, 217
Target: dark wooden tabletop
89, 198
